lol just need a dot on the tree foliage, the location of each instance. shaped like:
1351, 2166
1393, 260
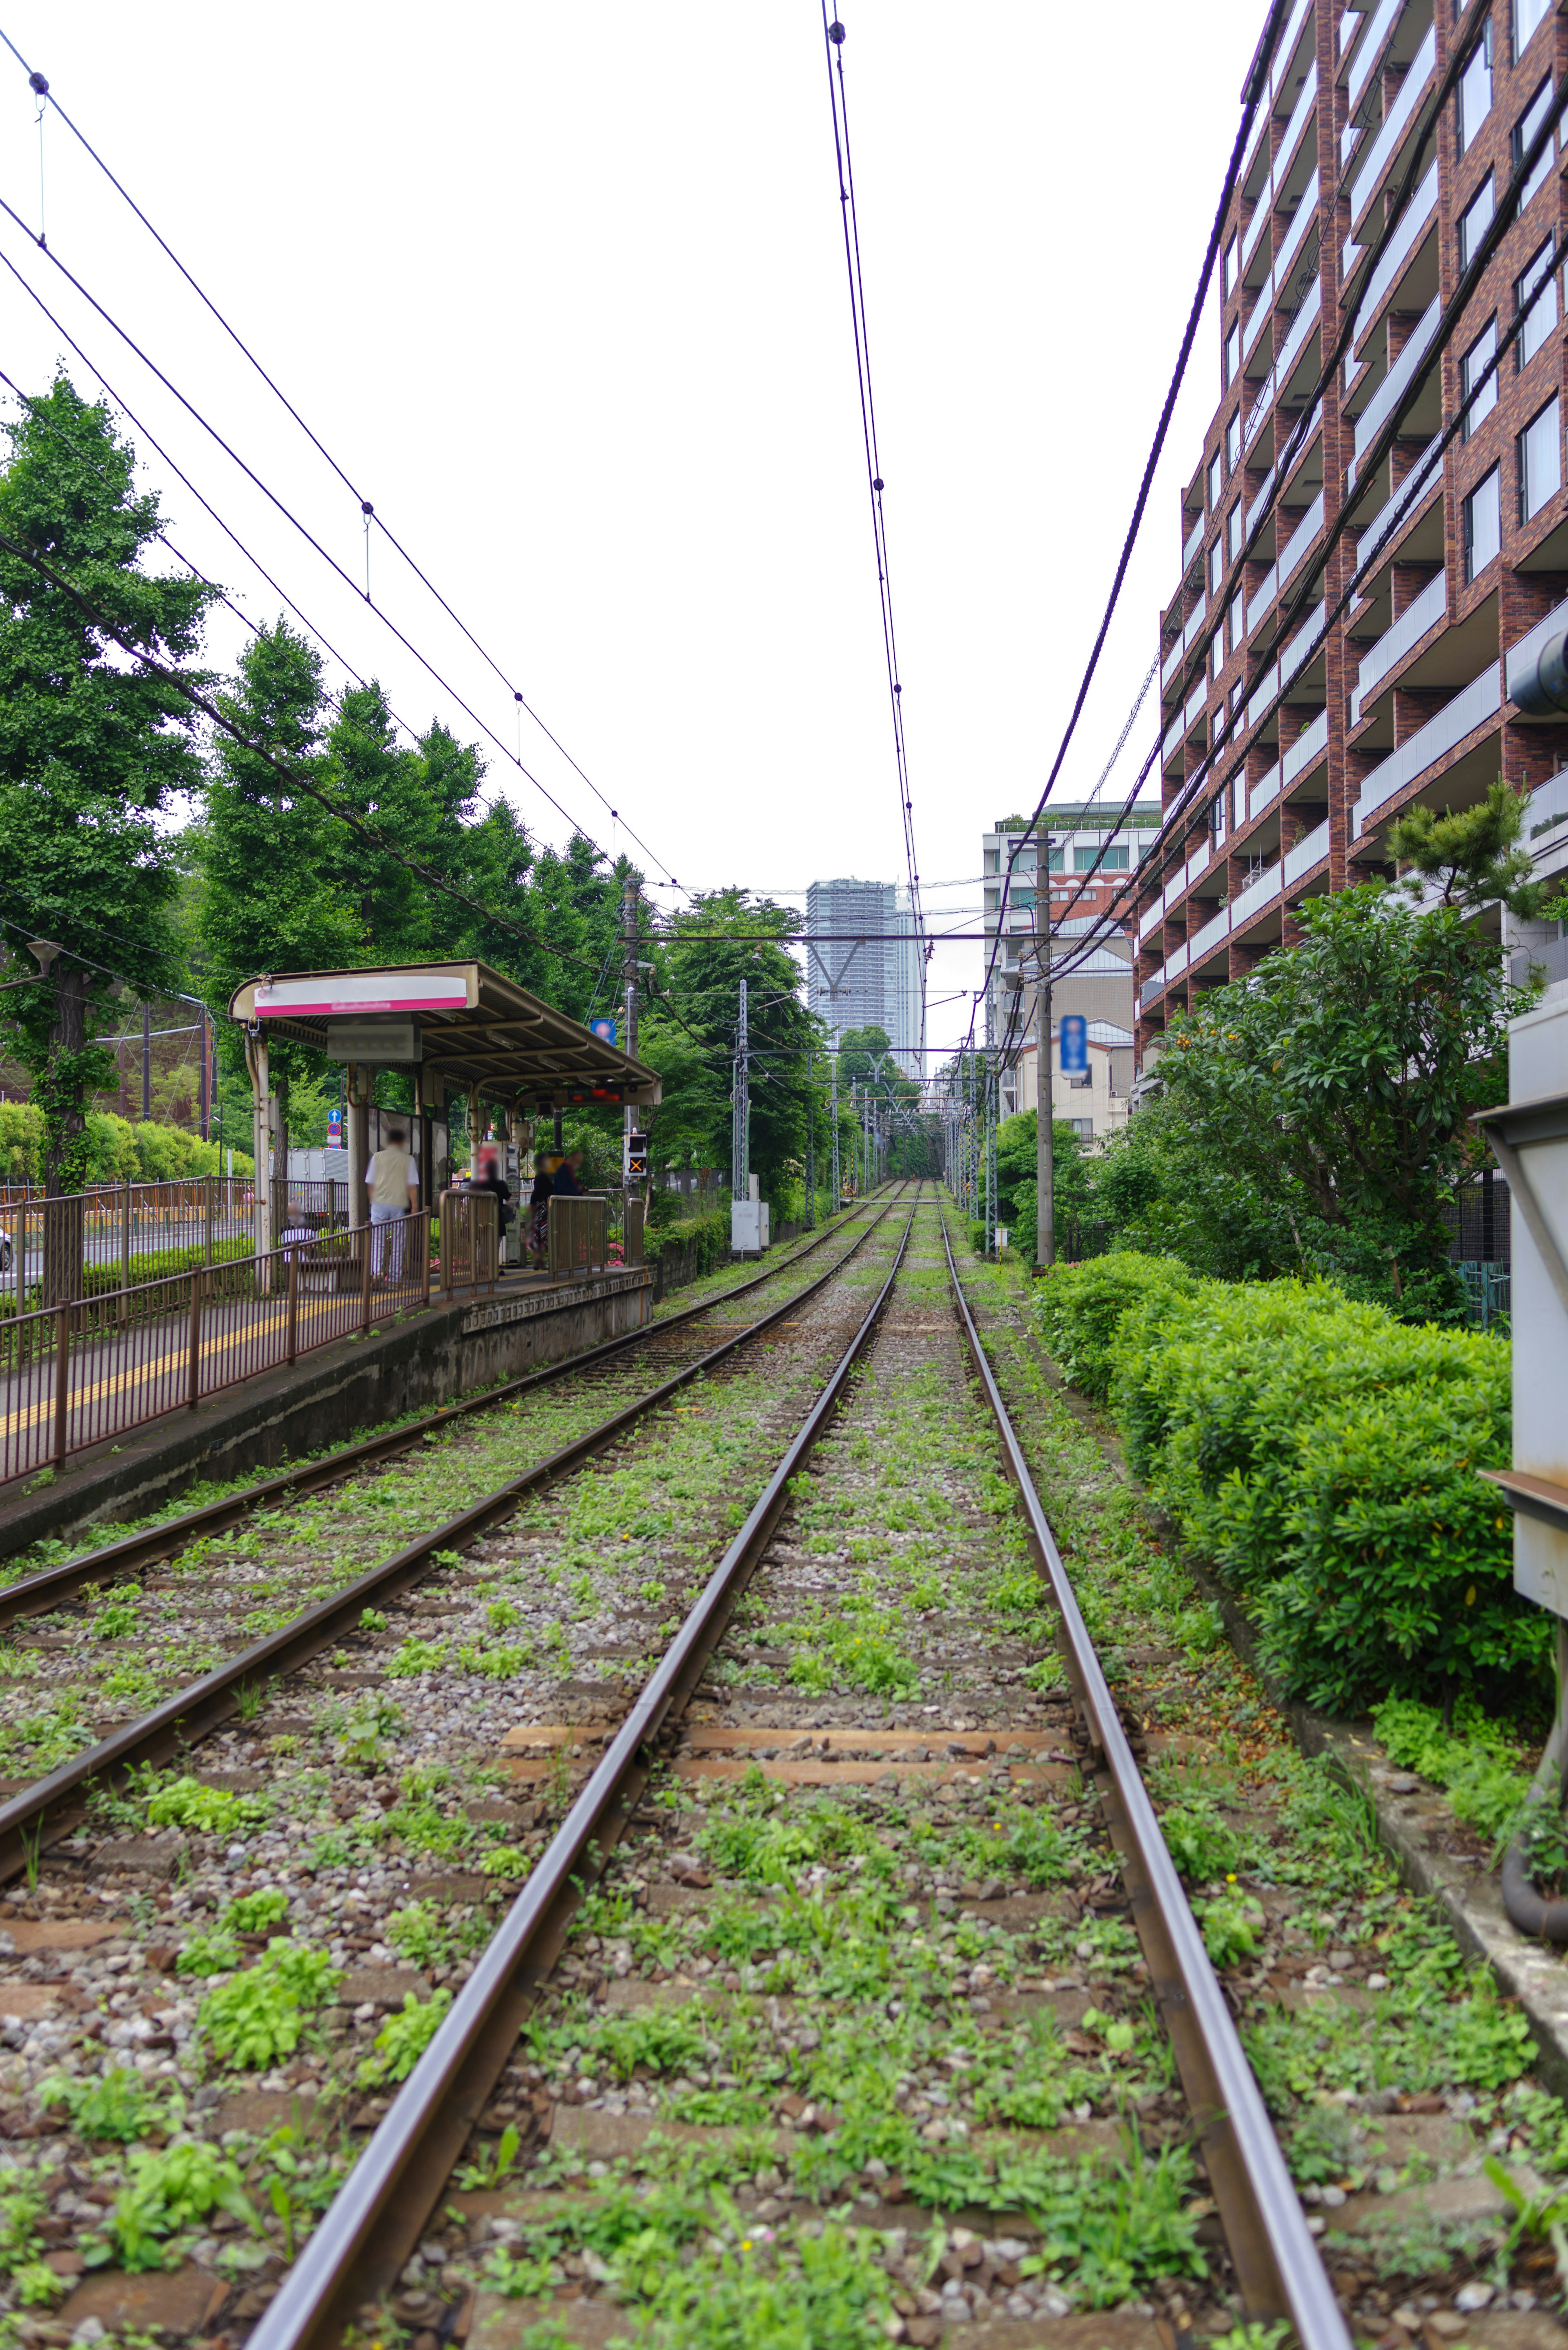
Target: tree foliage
1316, 1115
92, 748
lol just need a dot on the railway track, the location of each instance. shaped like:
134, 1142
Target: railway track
846, 1988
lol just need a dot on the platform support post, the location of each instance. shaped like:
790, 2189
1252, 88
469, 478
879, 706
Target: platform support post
62, 1379
193, 1367
292, 1346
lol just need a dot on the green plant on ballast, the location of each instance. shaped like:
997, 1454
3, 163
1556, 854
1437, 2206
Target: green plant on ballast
185, 1802
113, 2104
404, 2039
258, 2015
1474, 1760
166, 2193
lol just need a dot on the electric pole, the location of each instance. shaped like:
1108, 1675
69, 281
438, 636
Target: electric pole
810, 1146
837, 1180
628, 1114
1044, 1115
740, 1170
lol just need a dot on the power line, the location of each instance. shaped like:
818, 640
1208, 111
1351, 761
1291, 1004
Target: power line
833, 39
289, 776
40, 84
289, 516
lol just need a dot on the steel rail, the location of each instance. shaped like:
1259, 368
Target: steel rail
381, 2209
36, 1593
1277, 2266
54, 1805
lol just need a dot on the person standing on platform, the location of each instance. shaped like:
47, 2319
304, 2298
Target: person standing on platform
488, 1178
539, 1205
392, 1180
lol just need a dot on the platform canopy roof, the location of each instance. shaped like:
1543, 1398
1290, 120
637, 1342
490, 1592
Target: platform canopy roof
462, 1023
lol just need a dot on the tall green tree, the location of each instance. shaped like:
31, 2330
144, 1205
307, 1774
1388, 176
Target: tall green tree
1329, 1096
93, 747
689, 1037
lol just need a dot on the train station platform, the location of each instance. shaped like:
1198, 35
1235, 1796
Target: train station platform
427, 1356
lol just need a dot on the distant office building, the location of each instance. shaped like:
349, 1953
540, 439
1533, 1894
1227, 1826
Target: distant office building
863, 962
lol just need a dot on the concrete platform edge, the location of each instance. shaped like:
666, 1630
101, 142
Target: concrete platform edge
325, 1401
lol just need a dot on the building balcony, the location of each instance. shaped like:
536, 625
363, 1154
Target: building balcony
1418, 215
1290, 350
1292, 658
1429, 607
1309, 851
1171, 662
1212, 934
1309, 747
1470, 708
1259, 894
1395, 383
1380, 151
1373, 39
1412, 494
1194, 541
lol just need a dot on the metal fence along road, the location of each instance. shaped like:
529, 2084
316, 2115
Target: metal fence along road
75, 1374
123, 1221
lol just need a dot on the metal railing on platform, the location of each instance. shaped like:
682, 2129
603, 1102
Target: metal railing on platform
74, 1373
111, 1226
578, 1234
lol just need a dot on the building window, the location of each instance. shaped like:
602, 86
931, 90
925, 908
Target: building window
1483, 526
1237, 620
1116, 860
1537, 327
1528, 17
1475, 89
1540, 462
1235, 532
1233, 353
1524, 132
1086, 861
1058, 860
1479, 357
1217, 820
1083, 1127
1233, 442
1216, 566
1215, 480
1475, 219
1232, 264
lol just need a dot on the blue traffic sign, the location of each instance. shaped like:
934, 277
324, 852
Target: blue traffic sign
603, 1029
1074, 1044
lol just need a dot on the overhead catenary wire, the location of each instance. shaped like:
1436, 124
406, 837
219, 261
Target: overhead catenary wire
1256, 83
47, 96
414, 651
1181, 812
833, 35
292, 777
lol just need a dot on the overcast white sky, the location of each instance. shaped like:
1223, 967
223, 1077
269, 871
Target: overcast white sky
563, 290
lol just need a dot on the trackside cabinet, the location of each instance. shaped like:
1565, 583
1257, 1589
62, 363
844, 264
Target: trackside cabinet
1529, 1140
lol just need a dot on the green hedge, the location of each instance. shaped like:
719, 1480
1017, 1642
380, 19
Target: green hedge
158, 1264
1323, 1456
709, 1235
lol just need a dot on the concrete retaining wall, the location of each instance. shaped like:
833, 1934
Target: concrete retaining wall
325, 1399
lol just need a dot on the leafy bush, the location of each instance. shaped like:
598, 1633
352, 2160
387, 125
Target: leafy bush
1324, 1456
1478, 1765
1081, 1308
708, 1235
100, 1279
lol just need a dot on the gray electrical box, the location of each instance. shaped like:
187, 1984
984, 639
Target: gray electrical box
1530, 1138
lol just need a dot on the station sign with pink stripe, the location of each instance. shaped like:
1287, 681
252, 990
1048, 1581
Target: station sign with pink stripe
338, 993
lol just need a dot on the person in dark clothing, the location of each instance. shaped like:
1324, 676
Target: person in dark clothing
565, 1176
539, 1204
488, 1178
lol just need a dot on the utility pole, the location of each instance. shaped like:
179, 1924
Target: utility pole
740, 1169
989, 1136
146, 1060
837, 1180
1044, 1115
810, 1147
628, 968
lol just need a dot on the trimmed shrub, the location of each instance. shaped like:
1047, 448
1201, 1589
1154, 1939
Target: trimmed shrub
157, 1264
1323, 1456
708, 1235
1082, 1307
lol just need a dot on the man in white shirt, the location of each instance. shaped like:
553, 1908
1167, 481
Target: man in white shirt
392, 1180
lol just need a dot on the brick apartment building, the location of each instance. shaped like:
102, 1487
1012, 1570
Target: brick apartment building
1407, 696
